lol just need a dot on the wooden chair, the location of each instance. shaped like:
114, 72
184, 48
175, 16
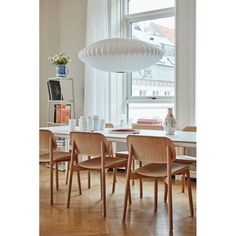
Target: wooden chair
96, 146
126, 154
107, 125
49, 154
184, 158
160, 154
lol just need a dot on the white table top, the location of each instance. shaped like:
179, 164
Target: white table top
180, 138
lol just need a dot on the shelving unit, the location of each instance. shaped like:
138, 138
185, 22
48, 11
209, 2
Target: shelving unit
61, 103
60, 97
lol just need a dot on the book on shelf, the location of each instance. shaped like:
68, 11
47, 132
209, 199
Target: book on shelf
149, 121
62, 113
60, 141
54, 90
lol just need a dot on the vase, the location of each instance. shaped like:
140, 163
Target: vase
61, 70
170, 123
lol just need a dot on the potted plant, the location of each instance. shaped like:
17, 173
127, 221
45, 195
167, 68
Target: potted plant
60, 61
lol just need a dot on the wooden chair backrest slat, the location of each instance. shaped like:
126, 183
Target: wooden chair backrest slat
109, 125
44, 140
151, 149
89, 144
190, 129
147, 126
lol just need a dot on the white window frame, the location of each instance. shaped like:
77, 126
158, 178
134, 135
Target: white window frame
145, 16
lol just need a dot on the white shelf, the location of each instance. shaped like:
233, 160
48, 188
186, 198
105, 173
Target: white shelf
67, 93
61, 101
60, 78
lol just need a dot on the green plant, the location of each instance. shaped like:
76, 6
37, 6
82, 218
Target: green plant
60, 59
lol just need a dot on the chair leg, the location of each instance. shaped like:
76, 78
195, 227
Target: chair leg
127, 194
141, 188
114, 180
170, 207
51, 182
101, 182
79, 182
133, 168
190, 194
89, 179
67, 171
155, 193
70, 183
103, 193
140, 183
89, 176
183, 183
57, 181
165, 193
78, 179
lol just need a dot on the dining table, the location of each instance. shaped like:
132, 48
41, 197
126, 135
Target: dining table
180, 138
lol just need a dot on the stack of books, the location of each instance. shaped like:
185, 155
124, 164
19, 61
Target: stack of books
61, 142
155, 121
62, 113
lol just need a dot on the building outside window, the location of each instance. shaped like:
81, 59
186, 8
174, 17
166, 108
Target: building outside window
155, 93
152, 22
142, 93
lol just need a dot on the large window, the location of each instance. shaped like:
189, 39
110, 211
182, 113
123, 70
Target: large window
152, 90
136, 6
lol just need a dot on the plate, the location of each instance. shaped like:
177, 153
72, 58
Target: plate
124, 131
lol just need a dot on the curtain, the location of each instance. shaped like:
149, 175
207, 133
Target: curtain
96, 82
103, 92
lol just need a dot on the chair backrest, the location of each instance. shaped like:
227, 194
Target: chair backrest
151, 149
45, 138
89, 144
190, 129
147, 126
109, 125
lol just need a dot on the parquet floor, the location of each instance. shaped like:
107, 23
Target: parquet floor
84, 215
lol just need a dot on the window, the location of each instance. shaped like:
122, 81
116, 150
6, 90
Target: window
152, 90
136, 6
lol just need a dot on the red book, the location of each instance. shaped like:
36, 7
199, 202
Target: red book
62, 113
149, 122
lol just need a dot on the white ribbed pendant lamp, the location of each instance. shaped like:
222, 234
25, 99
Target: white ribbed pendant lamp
120, 55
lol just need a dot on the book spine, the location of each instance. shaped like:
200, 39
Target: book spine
149, 122
62, 113
49, 93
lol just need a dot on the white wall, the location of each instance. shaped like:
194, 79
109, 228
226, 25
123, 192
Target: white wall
62, 29
185, 62
49, 45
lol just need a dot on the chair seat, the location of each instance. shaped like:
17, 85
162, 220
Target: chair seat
185, 159
57, 156
155, 170
124, 154
110, 162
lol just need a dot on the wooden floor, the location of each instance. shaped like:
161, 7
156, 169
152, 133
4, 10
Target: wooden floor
84, 215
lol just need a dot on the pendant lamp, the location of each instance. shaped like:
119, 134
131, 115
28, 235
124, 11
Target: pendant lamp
120, 55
